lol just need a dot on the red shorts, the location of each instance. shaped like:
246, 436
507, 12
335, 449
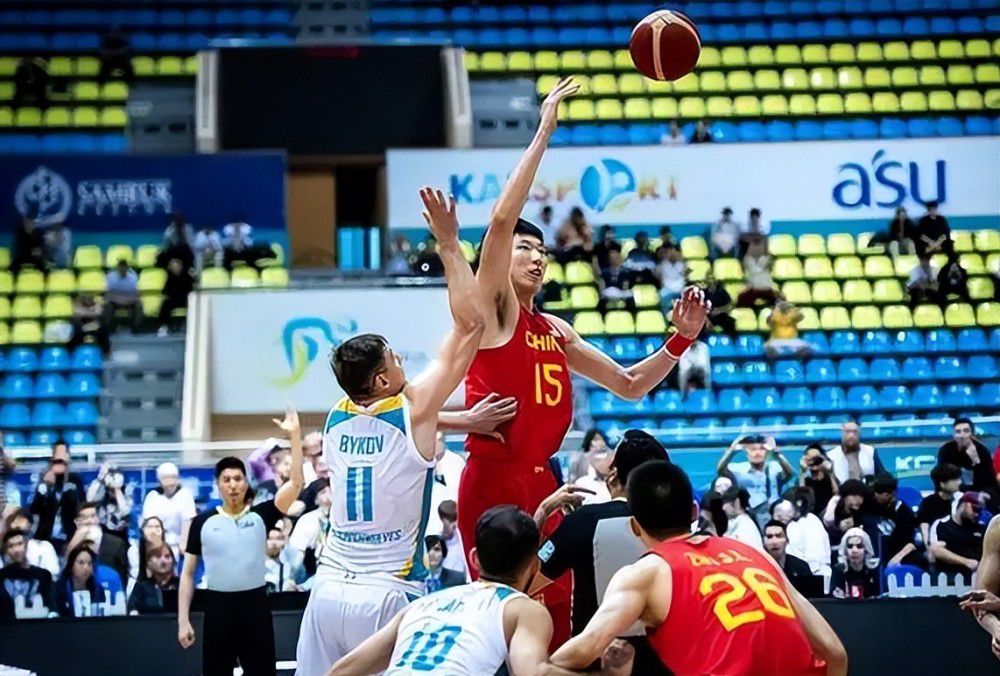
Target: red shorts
489, 483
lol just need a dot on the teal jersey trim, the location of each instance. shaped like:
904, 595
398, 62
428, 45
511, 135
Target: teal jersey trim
418, 572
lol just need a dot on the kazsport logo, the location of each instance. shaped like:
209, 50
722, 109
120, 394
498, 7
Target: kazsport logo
303, 337
605, 181
46, 194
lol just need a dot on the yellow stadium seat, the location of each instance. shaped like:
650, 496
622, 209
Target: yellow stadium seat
637, 109
710, 57
4, 334
645, 295
26, 307
545, 83
170, 65
941, 100
814, 54
834, 318
746, 106
88, 257
840, 244
986, 240
991, 99
117, 252
905, 76
963, 240
968, 99
931, 76
857, 103
774, 105
801, 104
698, 269
25, 332
781, 245
923, 50
977, 49
274, 278
85, 117
959, 315
86, 91
857, 291
603, 84
664, 109
619, 322
28, 117
951, 49
819, 78
864, 317
869, 51
817, 267
734, 288
554, 273
712, 81
589, 323
578, 272
4, 309
56, 117
980, 288
960, 74
887, 291
760, 55
987, 73
58, 65
878, 266
877, 78
761, 79
719, 106
787, 54
829, 104
850, 78
631, 83
810, 320
6, 282
797, 292
609, 109
787, 267
928, 317
91, 281
988, 314
60, 281
903, 265
191, 65
471, 61
734, 55
762, 316
848, 267
143, 66
151, 280
114, 91
745, 318
650, 322
145, 256
57, 306
694, 246
795, 79
688, 84
30, 281
897, 317
600, 59
572, 61
826, 292
6, 91
583, 297
520, 61
151, 304
811, 245
895, 51
691, 107
727, 269
214, 278
973, 263
913, 102
580, 109
885, 102
546, 60
841, 53
939, 260
992, 264
4, 258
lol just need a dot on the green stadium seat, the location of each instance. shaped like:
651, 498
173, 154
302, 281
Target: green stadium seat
774, 105
878, 266
712, 81
719, 106
554, 273
86, 91
981, 288
951, 49
841, 53
91, 281
760, 55
923, 50
905, 76
866, 317
850, 78
114, 91
608, 109
4, 258
885, 102
56, 117
191, 65
144, 66
650, 322
4, 334
959, 315
960, 74
26, 307
88, 257
151, 280
170, 65
274, 278
869, 51
637, 109
968, 99
897, 317
698, 269
810, 319
26, 332
877, 78
151, 304
762, 79
518, 61
913, 102
145, 256
822, 78
578, 272
814, 53
787, 54
797, 292
801, 104
988, 314
583, 297
991, 99
30, 281
977, 49
857, 103
686, 85
58, 65
664, 108
794, 79
619, 322
786, 267
693, 246
631, 83
746, 106
598, 59
6, 91
746, 320
113, 117
6, 283
734, 55
545, 83
580, 109
895, 51
214, 278
928, 317
572, 61
857, 291
834, 318
829, 104
4, 309
963, 241
645, 296
762, 316
60, 281
826, 292
811, 245
603, 84
117, 252
887, 291
932, 76
781, 245
692, 107
727, 269
987, 73
710, 58
941, 101
848, 267
28, 117
57, 306
973, 263
89, 66
546, 60
85, 117
992, 263
985, 240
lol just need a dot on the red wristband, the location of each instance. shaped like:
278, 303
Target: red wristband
677, 344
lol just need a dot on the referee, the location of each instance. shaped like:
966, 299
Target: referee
232, 540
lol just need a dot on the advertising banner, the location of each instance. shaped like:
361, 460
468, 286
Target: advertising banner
107, 193
271, 348
655, 185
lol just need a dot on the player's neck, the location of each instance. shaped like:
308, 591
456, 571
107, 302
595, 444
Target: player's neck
525, 300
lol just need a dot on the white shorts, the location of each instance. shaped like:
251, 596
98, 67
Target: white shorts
342, 613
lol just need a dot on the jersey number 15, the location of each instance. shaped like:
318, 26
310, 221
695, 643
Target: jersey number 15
548, 388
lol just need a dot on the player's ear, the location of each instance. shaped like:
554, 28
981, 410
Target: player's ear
474, 557
695, 511
634, 525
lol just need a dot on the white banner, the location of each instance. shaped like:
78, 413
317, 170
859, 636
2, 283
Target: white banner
656, 185
271, 348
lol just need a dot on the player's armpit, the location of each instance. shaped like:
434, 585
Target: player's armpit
529, 642
373, 655
431, 389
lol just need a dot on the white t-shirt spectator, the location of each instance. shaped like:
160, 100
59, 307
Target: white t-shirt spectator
41, 553
743, 529
122, 290
725, 234
592, 482
456, 554
808, 540
174, 511
920, 276
208, 244
758, 272
672, 277
761, 227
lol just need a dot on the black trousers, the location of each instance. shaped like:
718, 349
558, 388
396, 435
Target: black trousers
238, 627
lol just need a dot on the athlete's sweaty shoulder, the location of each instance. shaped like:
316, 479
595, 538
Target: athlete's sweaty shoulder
525, 613
652, 578
561, 326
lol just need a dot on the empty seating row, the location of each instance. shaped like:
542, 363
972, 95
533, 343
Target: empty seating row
89, 66
80, 116
860, 317
84, 359
853, 370
89, 259
129, 19
31, 332
50, 386
31, 144
48, 414
79, 91
142, 42
46, 437
59, 284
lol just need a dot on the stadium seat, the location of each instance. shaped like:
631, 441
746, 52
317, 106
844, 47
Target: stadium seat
578, 272
856, 291
848, 267
619, 322
588, 323
959, 314
797, 292
784, 268
988, 395
988, 314
916, 369
833, 318
887, 291
826, 292
878, 266
893, 398
828, 398
897, 317
816, 267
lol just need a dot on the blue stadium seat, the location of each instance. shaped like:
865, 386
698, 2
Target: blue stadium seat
600, 343
779, 130
50, 414
726, 373
601, 402
819, 342
828, 398
643, 134
12, 438
749, 345
853, 370
650, 345
80, 437
971, 340
948, 368
940, 340
978, 126
988, 394
561, 136
732, 400
949, 126
50, 386
876, 342
921, 127
797, 399
995, 340
806, 420
894, 397
744, 423
892, 127
787, 372
836, 130
625, 349
756, 373
611, 428
22, 360
959, 396
764, 400
907, 342
584, 135
808, 130
17, 387
81, 414
667, 401
14, 416
916, 368
776, 420
87, 358
699, 401
844, 343
926, 397
864, 129
82, 386
982, 367
820, 371
883, 370
751, 132
862, 397
43, 438
613, 135
720, 345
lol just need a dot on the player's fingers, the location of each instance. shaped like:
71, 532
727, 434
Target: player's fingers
427, 217
489, 398
276, 421
425, 196
573, 488
440, 198
452, 204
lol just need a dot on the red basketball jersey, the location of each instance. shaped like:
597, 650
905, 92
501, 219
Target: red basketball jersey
730, 613
532, 367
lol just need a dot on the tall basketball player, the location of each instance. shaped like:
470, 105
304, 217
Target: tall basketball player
529, 355
379, 442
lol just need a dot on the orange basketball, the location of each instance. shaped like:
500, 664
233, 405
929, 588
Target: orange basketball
665, 45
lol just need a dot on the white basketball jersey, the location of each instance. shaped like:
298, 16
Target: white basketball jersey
456, 631
381, 488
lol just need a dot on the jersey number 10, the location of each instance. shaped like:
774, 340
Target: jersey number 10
428, 650
548, 388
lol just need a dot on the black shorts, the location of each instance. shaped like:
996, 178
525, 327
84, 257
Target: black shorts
237, 626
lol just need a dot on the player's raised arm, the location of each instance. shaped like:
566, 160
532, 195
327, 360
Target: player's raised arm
373, 655
634, 382
432, 388
493, 276
983, 601
289, 492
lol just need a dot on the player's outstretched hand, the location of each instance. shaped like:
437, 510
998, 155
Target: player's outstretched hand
550, 106
690, 312
979, 600
491, 412
440, 215
290, 425
185, 635
568, 497
618, 658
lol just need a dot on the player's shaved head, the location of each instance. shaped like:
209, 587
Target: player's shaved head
356, 362
529, 229
661, 498
507, 540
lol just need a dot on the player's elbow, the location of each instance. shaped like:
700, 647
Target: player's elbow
471, 324
631, 389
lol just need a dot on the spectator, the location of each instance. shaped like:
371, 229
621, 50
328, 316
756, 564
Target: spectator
784, 323
898, 235
604, 247
176, 288
29, 246
454, 557
933, 235
398, 264
314, 470
856, 575
726, 234
757, 271
56, 499
817, 475
922, 286
694, 370
177, 239
160, 570
171, 502
238, 244
151, 535
593, 468
722, 305
667, 236
31, 82
208, 249
671, 272
641, 260
971, 456
807, 537
776, 544
851, 503
763, 479
116, 56
261, 460
59, 245
114, 503
428, 262
742, 527
853, 459
953, 280
308, 536
438, 576
754, 231
282, 570
39, 552
723, 482
673, 136
957, 541
111, 550
281, 463
123, 294
547, 224
77, 580
447, 475
616, 281
88, 323
18, 577
712, 519
895, 523
947, 478
575, 238
702, 133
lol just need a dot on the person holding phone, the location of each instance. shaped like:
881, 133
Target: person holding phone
817, 474
762, 478
57, 498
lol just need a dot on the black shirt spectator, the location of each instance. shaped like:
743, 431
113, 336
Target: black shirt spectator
179, 284
933, 234
29, 247
605, 246
18, 578
88, 323
817, 474
112, 551
77, 576
953, 280
937, 505
56, 499
894, 523
972, 457
31, 82
702, 134
855, 584
957, 542
798, 571
641, 260
901, 231
148, 594
722, 304
116, 56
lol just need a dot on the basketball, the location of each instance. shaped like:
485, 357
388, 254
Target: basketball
665, 45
